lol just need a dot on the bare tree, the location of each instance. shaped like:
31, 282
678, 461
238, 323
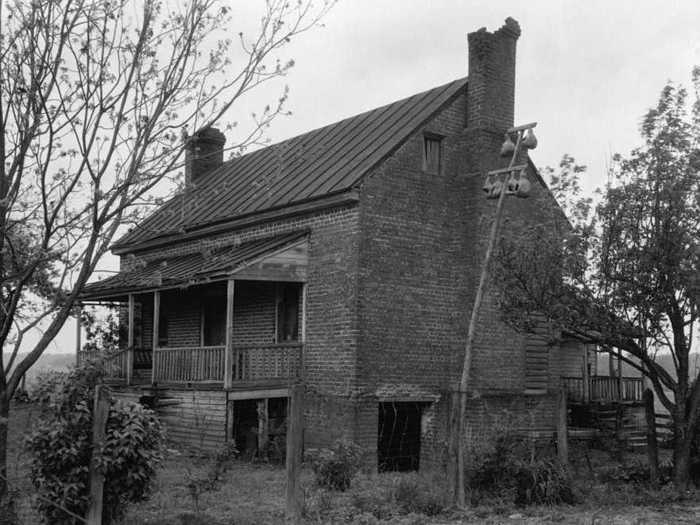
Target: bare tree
94, 98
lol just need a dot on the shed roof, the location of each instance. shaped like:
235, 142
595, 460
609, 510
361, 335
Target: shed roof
323, 162
193, 268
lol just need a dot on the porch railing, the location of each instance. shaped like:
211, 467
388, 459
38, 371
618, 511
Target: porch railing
266, 361
188, 364
604, 388
207, 364
115, 363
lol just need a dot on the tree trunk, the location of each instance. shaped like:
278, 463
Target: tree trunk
682, 441
4, 424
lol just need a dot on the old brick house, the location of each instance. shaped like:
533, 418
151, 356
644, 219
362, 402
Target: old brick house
348, 256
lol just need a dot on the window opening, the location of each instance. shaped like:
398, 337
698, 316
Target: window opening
431, 154
398, 441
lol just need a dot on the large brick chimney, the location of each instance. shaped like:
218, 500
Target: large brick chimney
491, 85
204, 151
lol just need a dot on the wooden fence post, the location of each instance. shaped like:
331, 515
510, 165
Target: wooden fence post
97, 479
295, 432
562, 430
652, 446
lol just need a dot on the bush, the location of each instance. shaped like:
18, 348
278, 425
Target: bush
514, 470
61, 450
212, 478
335, 467
543, 481
415, 494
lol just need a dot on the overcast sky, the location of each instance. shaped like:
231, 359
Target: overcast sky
586, 70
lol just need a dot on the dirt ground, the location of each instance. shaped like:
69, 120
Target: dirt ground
254, 494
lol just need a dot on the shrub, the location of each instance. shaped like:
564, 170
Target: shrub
516, 471
415, 494
212, 478
543, 481
335, 467
61, 450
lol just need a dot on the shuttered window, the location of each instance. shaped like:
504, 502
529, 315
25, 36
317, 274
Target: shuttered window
432, 146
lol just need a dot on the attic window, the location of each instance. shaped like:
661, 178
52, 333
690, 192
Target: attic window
432, 153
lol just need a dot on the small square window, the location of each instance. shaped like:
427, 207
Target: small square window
431, 154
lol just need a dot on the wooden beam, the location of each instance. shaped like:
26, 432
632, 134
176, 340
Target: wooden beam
304, 294
562, 430
156, 327
619, 373
229, 358
257, 394
130, 341
586, 375
263, 426
295, 442
95, 474
508, 169
77, 335
522, 127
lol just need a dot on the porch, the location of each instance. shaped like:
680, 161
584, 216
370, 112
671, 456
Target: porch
234, 319
258, 365
602, 389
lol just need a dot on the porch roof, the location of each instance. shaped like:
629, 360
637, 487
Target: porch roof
282, 258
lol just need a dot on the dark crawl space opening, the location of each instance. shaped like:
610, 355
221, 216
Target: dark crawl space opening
398, 443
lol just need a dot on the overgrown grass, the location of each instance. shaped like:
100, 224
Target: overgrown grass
255, 494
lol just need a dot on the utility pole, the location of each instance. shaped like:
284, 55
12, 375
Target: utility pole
499, 183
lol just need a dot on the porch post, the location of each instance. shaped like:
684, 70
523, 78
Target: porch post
303, 330
130, 342
619, 373
228, 353
156, 326
586, 375
77, 334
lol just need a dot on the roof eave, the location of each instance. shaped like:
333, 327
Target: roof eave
342, 198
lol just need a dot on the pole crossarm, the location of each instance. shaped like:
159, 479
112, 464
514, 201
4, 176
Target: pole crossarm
509, 169
522, 127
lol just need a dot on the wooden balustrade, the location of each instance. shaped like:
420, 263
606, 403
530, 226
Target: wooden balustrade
250, 362
206, 364
266, 361
189, 364
604, 388
115, 363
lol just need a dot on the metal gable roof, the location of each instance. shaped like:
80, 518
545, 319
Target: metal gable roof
193, 268
322, 162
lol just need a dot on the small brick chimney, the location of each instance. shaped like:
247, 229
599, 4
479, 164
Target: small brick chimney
491, 85
204, 151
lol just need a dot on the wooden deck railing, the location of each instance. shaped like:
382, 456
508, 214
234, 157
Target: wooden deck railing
206, 364
270, 361
115, 363
189, 364
604, 388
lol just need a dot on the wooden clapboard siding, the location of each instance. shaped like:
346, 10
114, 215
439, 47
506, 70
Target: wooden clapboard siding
197, 420
537, 370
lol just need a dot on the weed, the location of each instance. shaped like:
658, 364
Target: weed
335, 467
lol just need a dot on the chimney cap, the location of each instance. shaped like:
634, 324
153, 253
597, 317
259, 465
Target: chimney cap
511, 28
208, 134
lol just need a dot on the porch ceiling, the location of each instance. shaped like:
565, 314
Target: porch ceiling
279, 258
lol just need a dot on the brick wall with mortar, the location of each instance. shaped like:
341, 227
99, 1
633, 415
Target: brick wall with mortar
423, 241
